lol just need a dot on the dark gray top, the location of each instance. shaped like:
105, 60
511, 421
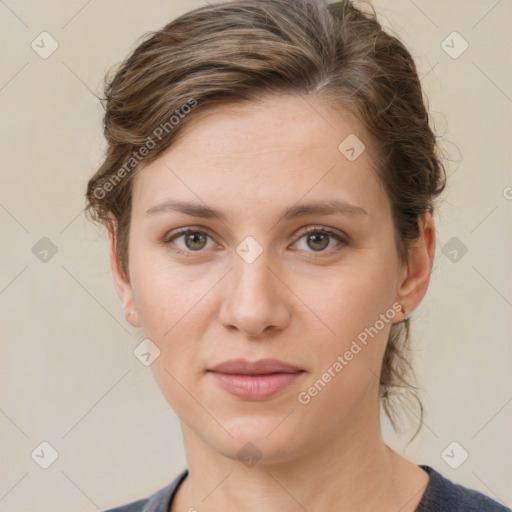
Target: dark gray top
441, 495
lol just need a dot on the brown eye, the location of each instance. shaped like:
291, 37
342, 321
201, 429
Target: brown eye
195, 240
188, 240
319, 239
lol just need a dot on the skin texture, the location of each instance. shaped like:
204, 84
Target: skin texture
302, 301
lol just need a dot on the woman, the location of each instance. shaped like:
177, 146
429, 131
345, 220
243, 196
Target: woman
268, 190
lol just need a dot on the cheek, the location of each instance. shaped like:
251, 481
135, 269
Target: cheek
167, 295
175, 305
352, 298
174, 314
356, 303
348, 362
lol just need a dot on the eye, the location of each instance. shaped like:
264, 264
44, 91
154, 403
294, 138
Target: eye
192, 240
317, 239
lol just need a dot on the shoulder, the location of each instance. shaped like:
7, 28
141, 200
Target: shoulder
158, 502
443, 495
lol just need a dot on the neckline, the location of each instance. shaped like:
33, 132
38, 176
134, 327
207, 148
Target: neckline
420, 508
176, 484
432, 481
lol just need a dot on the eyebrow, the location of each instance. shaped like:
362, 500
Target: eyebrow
332, 207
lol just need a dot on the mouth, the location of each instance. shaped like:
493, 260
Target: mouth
255, 381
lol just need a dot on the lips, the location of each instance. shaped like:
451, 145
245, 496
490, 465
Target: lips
261, 367
257, 380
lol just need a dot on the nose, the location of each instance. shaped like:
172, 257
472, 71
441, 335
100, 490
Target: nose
256, 300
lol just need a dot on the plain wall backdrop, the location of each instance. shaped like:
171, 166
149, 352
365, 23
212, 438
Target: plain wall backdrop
68, 376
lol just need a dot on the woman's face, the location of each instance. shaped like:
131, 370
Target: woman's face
278, 266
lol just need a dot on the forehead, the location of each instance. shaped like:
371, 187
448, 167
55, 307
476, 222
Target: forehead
280, 148
270, 123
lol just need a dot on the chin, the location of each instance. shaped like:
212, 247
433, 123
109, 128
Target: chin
256, 440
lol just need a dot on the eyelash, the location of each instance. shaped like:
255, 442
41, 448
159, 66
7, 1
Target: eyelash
169, 239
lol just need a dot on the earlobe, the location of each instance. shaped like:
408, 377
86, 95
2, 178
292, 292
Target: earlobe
416, 277
121, 282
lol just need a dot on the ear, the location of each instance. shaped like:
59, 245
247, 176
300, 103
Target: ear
415, 277
121, 281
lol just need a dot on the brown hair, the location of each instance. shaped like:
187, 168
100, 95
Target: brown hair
243, 49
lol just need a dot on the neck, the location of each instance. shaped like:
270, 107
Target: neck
351, 470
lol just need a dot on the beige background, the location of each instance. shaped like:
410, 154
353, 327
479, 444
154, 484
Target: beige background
67, 372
